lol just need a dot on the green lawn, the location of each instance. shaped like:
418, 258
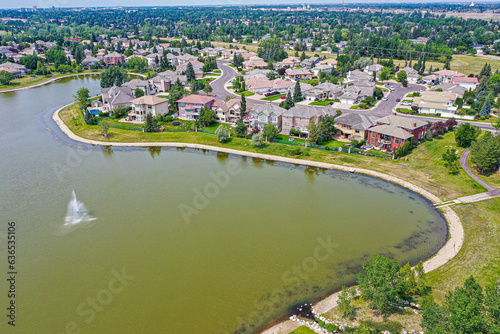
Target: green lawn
287, 138
334, 143
25, 81
354, 107
320, 103
246, 93
274, 97
303, 330
480, 254
217, 71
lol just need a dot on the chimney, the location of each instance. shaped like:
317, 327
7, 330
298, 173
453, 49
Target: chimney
414, 125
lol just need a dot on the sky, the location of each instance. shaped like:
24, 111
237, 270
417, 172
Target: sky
110, 3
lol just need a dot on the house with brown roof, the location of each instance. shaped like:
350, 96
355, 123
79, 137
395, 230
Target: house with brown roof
147, 104
393, 131
190, 106
466, 82
448, 75
298, 74
352, 126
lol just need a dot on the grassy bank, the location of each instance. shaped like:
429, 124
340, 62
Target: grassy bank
25, 81
424, 165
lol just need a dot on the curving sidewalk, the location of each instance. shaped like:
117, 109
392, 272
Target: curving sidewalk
463, 162
445, 254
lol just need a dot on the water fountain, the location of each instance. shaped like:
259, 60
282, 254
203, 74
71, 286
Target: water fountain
77, 212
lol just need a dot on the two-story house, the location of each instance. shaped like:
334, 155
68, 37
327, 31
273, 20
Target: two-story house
230, 111
393, 131
262, 114
113, 58
301, 116
147, 104
298, 74
354, 126
190, 106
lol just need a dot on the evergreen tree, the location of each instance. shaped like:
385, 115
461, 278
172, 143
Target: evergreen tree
243, 107
297, 93
486, 109
289, 101
151, 123
303, 56
191, 76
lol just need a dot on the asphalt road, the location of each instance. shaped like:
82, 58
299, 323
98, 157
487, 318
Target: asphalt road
383, 108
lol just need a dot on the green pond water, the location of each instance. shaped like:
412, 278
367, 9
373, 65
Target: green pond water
171, 250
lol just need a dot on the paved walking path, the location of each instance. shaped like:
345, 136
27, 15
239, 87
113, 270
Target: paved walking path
465, 166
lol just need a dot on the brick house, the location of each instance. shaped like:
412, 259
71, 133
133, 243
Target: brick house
393, 131
190, 106
113, 58
354, 126
298, 74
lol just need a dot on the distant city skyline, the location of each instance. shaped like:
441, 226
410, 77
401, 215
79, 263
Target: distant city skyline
151, 3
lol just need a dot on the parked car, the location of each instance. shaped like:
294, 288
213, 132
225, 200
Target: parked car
398, 100
391, 88
384, 98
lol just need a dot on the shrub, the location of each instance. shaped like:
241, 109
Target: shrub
168, 119
258, 139
404, 150
222, 134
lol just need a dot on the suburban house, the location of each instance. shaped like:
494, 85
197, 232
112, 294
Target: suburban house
190, 106
90, 61
321, 68
457, 89
393, 131
430, 79
165, 80
262, 114
197, 66
354, 126
370, 69
466, 82
113, 58
151, 58
229, 112
186, 58
116, 96
261, 85
446, 76
298, 74
147, 104
412, 75
432, 102
355, 93
14, 68
256, 73
328, 91
250, 65
311, 62
147, 87
290, 62
300, 116
357, 76
329, 61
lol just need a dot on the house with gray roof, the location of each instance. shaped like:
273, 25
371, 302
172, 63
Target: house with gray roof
393, 131
165, 80
262, 114
116, 96
300, 116
147, 87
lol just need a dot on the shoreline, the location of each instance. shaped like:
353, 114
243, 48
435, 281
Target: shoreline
55, 78
441, 257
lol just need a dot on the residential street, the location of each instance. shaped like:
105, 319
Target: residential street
383, 108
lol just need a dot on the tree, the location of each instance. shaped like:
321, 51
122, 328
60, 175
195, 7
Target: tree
466, 309
402, 76
191, 76
450, 158
207, 117
344, 302
136, 63
485, 153
222, 134
114, 75
465, 134
40, 69
243, 106
380, 281
138, 92
241, 128
207, 88
378, 93
434, 317
486, 109
82, 96
303, 56
385, 74
404, 149
6, 77
270, 132
314, 131
288, 103
30, 61
297, 92
258, 139
104, 128
327, 128
496, 125
151, 123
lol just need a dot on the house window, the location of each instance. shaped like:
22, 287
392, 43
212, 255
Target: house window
374, 135
262, 118
397, 141
287, 124
356, 131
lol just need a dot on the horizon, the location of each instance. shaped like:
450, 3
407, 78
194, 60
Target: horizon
218, 3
